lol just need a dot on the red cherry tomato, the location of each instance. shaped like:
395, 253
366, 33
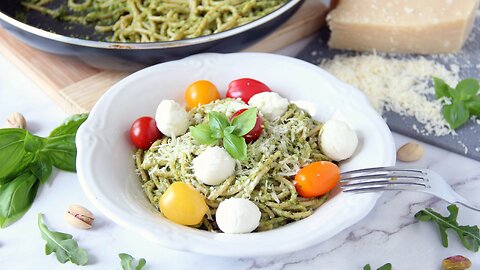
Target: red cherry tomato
255, 132
245, 88
316, 179
144, 132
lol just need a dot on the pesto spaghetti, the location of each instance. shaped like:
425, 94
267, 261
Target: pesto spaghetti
156, 20
285, 146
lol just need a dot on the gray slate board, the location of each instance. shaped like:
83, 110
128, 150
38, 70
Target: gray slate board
467, 140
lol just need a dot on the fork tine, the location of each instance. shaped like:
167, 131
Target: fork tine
386, 176
385, 185
379, 170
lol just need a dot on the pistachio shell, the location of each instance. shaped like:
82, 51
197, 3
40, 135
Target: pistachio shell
16, 120
410, 152
456, 263
79, 217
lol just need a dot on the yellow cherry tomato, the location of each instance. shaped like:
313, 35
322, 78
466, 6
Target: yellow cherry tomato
316, 179
183, 204
200, 93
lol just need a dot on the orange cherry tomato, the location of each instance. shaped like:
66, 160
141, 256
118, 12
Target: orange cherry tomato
316, 179
183, 204
200, 93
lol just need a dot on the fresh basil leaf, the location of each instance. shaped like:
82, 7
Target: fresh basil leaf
467, 89
41, 168
33, 143
16, 197
126, 261
473, 105
70, 125
62, 152
217, 123
13, 157
469, 235
229, 129
245, 122
367, 267
442, 89
235, 146
202, 134
65, 248
456, 114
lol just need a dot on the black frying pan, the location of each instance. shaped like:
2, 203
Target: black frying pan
48, 34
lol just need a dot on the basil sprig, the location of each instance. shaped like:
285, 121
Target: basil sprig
27, 161
65, 248
219, 127
464, 100
387, 266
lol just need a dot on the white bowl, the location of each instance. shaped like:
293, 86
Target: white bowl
106, 168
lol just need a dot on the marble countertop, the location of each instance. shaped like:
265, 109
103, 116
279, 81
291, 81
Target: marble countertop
388, 234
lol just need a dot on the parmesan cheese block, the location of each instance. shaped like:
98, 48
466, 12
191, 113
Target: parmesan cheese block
407, 26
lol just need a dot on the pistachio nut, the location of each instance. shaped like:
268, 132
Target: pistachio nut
16, 120
456, 263
79, 217
410, 152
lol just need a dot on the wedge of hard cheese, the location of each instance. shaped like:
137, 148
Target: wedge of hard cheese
409, 26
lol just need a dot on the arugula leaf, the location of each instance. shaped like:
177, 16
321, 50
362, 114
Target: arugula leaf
473, 105
202, 134
442, 89
70, 125
467, 89
127, 260
217, 123
65, 248
387, 266
16, 197
456, 114
13, 157
245, 122
469, 235
235, 146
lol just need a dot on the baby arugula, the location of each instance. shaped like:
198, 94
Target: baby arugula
126, 261
231, 132
27, 162
387, 266
469, 235
462, 101
65, 248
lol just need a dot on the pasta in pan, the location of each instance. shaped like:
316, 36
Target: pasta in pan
286, 145
157, 20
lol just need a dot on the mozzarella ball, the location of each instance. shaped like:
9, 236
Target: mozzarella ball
213, 166
236, 215
172, 119
270, 104
338, 140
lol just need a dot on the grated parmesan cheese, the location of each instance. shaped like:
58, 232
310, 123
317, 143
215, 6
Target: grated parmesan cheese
400, 85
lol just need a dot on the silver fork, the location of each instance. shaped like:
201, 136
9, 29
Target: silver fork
391, 178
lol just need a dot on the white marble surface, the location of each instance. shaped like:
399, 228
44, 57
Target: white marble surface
388, 234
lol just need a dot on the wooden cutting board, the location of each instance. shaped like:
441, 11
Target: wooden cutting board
76, 87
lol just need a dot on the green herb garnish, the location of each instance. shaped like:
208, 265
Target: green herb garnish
127, 260
230, 132
27, 161
469, 235
65, 248
387, 266
464, 100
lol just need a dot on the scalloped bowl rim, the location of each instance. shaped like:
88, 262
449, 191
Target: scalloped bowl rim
98, 139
